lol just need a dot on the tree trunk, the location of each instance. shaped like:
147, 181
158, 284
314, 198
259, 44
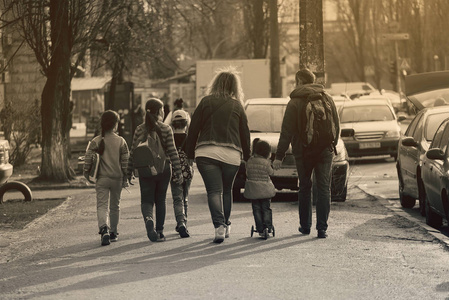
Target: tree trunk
259, 24
311, 49
55, 106
276, 84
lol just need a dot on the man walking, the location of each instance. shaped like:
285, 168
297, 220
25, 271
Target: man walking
311, 125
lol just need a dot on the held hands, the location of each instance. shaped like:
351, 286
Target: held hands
277, 164
86, 175
190, 161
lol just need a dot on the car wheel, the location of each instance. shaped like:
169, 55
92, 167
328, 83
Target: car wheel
342, 196
432, 219
422, 198
406, 201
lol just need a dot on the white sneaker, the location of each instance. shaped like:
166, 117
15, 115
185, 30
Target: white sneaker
228, 231
219, 234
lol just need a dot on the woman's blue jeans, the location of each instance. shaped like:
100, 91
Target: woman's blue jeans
153, 191
218, 178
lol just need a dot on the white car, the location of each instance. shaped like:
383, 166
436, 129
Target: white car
370, 127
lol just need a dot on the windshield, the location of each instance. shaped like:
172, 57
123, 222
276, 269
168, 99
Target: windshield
366, 113
265, 117
432, 123
432, 98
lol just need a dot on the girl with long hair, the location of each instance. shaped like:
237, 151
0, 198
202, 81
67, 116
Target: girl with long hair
153, 190
112, 174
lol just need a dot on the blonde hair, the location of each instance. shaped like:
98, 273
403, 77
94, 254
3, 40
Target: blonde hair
226, 83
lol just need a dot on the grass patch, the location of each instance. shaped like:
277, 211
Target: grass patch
16, 214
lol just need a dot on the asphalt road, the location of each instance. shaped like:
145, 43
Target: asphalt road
372, 252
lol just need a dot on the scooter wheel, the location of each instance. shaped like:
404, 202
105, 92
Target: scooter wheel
252, 230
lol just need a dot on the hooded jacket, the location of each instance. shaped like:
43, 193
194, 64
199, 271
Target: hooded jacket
294, 123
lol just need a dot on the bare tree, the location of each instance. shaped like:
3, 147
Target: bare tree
59, 33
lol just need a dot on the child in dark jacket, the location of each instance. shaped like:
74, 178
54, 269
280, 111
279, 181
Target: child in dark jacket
258, 186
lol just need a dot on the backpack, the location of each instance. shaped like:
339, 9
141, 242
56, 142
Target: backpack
186, 169
320, 128
149, 157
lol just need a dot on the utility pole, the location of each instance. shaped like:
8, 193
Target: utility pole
311, 43
275, 68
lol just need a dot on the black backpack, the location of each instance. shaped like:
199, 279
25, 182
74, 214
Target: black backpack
149, 157
320, 130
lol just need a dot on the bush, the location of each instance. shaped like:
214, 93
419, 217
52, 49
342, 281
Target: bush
22, 128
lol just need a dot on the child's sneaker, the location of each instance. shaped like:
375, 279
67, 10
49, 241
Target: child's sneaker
152, 235
104, 236
160, 237
113, 237
219, 234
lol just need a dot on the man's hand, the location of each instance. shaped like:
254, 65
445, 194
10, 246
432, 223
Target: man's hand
190, 161
277, 164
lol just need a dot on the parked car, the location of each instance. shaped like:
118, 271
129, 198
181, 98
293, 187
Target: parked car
411, 150
340, 100
435, 174
427, 89
370, 127
265, 117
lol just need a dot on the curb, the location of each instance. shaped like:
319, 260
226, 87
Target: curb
443, 239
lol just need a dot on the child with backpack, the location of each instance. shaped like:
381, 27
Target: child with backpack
152, 153
180, 192
111, 177
258, 186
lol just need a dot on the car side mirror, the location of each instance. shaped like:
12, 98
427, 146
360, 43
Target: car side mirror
349, 132
401, 118
409, 142
435, 153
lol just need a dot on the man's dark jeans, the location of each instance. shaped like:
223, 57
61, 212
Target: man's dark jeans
262, 214
322, 164
153, 191
218, 178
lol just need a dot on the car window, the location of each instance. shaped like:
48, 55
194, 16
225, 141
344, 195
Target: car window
429, 99
265, 118
445, 139
432, 123
411, 128
438, 135
366, 113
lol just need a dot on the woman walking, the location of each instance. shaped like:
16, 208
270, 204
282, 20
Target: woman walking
153, 189
218, 139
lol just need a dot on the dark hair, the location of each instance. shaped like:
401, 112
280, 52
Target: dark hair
152, 108
261, 147
179, 124
108, 121
178, 103
305, 76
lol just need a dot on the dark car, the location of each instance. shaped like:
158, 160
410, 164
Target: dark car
435, 174
265, 117
411, 149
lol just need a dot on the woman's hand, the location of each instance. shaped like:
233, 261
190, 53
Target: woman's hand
190, 161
